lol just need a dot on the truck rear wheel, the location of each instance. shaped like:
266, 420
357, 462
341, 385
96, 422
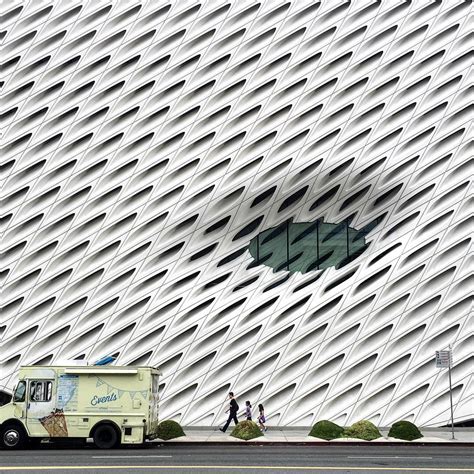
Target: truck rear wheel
105, 437
13, 437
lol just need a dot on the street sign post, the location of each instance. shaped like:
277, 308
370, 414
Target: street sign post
444, 360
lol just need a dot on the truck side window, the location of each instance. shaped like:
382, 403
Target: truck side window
40, 390
19, 395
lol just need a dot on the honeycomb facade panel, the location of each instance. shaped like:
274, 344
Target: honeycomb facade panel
145, 145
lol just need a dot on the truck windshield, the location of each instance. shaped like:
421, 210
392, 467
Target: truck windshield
19, 395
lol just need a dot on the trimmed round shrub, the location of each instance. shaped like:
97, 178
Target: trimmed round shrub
246, 430
404, 430
327, 430
169, 429
363, 429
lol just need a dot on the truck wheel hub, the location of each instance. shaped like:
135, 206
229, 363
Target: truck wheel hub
11, 437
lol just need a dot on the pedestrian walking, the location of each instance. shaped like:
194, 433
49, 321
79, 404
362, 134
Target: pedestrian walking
261, 418
248, 410
233, 409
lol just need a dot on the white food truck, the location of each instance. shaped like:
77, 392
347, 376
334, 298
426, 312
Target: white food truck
110, 404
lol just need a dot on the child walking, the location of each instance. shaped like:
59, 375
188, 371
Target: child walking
248, 410
261, 418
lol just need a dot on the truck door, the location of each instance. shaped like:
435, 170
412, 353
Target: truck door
19, 400
40, 406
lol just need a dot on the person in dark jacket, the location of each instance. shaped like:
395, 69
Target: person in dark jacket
233, 409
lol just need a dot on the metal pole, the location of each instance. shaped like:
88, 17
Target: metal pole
451, 393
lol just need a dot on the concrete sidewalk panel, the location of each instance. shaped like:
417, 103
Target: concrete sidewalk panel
299, 435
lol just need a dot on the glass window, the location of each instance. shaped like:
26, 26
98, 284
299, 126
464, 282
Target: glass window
308, 246
19, 395
40, 390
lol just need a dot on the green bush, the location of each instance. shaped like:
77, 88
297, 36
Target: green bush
404, 430
327, 430
169, 429
362, 430
246, 430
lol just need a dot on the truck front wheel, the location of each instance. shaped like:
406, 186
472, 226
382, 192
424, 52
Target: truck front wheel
13, 437
105, 437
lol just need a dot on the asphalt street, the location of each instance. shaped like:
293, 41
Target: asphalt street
242, 459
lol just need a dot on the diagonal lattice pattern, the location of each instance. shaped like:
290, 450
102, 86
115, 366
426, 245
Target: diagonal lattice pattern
145, 144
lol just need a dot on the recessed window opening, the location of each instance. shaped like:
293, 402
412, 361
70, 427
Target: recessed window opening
308, 246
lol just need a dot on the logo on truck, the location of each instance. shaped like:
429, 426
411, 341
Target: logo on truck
95, 400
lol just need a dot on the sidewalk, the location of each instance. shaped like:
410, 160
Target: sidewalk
299, 435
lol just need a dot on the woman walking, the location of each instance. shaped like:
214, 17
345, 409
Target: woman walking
261, 418
248, 410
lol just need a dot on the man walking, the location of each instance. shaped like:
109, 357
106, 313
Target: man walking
233, 409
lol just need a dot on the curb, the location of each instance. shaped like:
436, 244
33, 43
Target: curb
463, 444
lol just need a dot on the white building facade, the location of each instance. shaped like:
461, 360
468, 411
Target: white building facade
146, 143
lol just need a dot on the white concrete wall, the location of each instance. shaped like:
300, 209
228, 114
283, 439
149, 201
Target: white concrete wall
136, 136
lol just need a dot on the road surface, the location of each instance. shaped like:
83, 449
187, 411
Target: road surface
242, 459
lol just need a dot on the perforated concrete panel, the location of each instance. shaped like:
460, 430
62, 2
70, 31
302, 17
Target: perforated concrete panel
145, 144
